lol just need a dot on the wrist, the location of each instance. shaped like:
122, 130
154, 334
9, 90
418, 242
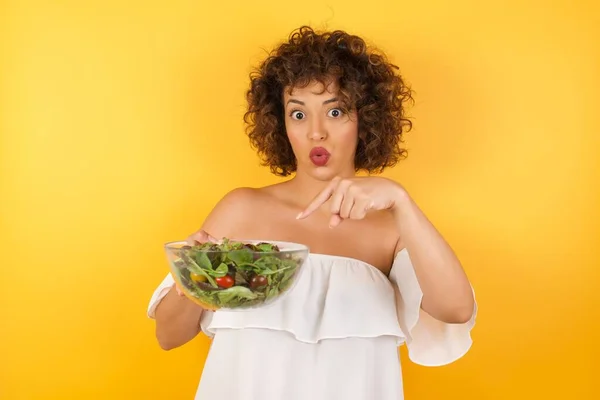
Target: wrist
402, 204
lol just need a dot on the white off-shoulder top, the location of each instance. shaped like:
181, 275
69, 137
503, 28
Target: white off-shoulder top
334, 335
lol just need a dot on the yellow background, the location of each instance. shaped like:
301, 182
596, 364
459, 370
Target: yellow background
121, 127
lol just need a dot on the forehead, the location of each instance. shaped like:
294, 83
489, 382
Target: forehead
313, 89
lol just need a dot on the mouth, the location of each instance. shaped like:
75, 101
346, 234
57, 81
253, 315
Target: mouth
319, 156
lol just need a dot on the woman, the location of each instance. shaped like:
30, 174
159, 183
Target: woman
323, 107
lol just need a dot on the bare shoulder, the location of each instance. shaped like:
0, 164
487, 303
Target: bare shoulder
238, 198
232, 211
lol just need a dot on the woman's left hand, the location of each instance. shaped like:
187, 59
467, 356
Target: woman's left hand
353, 198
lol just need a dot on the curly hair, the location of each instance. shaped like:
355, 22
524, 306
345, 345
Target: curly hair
367, 84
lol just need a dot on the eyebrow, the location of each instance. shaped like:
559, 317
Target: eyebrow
332, 100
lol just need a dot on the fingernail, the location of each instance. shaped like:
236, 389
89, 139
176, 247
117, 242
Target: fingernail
299, 215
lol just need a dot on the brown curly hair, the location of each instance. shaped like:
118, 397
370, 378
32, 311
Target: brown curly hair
367, 83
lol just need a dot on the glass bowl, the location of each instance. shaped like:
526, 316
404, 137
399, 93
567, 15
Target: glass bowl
235, 274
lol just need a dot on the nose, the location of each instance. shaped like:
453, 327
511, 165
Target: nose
318, 131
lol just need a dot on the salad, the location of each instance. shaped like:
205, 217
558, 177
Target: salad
233, 274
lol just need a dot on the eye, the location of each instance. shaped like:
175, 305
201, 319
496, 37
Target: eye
297, 115
335, 112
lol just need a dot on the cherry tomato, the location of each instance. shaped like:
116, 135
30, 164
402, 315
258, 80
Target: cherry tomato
225, 281
197, 278
258, 281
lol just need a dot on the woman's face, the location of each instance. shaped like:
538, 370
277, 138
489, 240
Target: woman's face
323, 138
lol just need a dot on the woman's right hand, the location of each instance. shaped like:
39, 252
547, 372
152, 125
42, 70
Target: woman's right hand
199, 236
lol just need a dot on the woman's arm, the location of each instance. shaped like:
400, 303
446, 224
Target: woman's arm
177, 320
177, 317
447, 293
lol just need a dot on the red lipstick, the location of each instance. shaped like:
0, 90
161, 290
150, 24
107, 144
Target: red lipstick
319, 156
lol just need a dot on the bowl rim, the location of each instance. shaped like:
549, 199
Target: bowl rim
284, 246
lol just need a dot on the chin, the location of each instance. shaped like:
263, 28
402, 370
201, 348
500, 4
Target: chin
325, 173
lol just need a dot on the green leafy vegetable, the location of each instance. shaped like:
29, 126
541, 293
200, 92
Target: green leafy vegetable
241, 257
238, 275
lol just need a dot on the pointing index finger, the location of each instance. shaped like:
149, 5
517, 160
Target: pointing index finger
319, 200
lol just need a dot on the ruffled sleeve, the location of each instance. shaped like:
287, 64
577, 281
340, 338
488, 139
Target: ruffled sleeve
161, 291
429, 341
